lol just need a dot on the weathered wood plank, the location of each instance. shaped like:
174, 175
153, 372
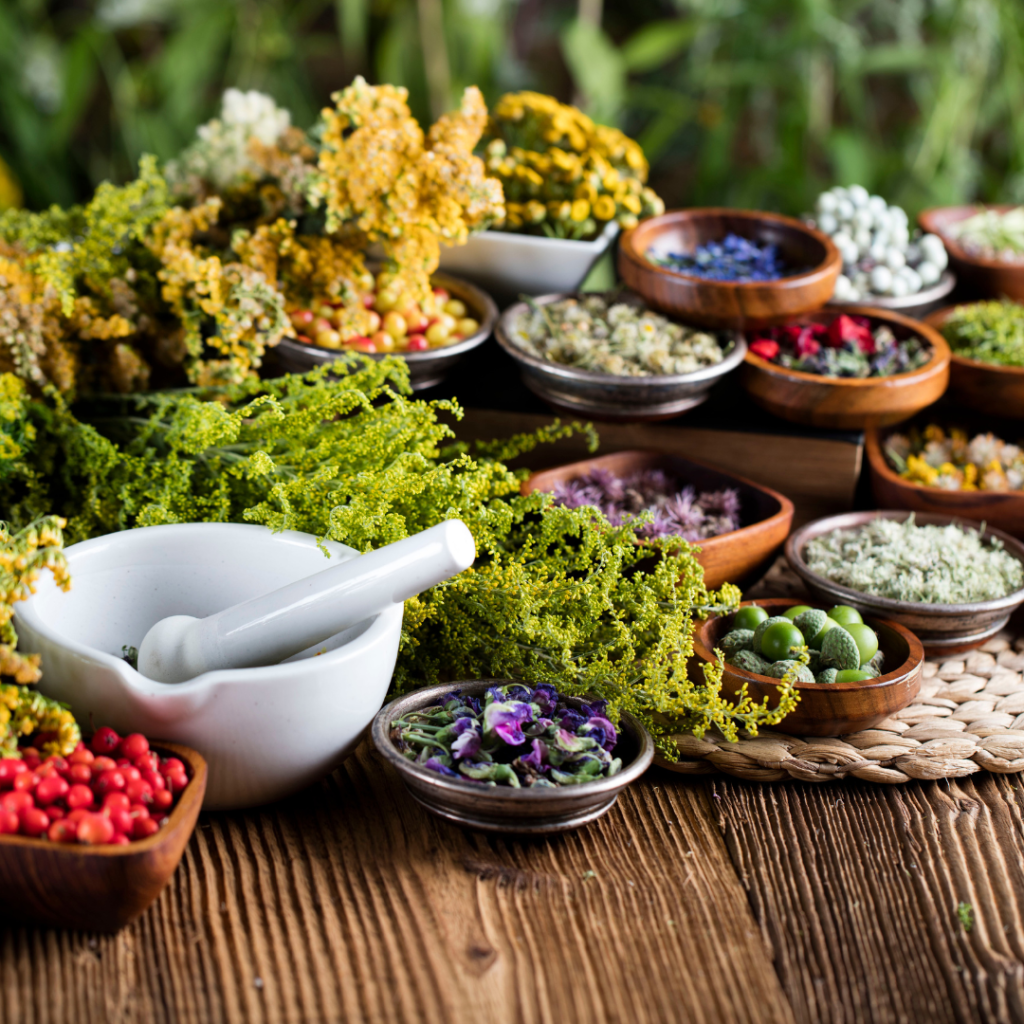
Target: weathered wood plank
857, 890
351, 903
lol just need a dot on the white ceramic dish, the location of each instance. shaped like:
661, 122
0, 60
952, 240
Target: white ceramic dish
266, 732
510, 265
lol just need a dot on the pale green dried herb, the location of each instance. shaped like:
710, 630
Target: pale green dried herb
991, 332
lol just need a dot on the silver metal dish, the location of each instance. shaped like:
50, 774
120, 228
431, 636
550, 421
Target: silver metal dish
425, 368
917, 306
942, 628
603, 395
501, 808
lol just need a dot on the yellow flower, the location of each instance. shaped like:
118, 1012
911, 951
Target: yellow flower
604, 208
579, 210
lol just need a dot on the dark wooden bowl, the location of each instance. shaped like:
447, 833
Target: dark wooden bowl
827, 709
741, 557
987, 387
995, 278
845, 403
98, 888
725, 303
1002, 509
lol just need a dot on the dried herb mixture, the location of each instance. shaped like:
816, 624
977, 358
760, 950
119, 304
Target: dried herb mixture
991, 332
952, 461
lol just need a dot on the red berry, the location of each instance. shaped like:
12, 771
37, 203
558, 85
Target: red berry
55, 812
95, 829
139, 792
33, 821
30, 756
144, 827
134, 745
109, 781
122, 821
162, 799
16, 800
58, 762
76, 815
150, 761
25, 782
105, 740
50, 789
139, 811
116, 802
155, 779
8, 822
10, 767
130, 773
122, 762
120, 839
79, 796
103, 764
82, 755
80, 773
46, 771
62, 831
176, 781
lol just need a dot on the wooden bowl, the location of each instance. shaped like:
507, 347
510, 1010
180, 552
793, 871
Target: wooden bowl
741, 557
944, 629
1002, 509
827, 709
98, 888
847, 403
987, 387
995, 278
727, 303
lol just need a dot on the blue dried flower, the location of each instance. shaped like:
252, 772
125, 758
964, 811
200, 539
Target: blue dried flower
438, 766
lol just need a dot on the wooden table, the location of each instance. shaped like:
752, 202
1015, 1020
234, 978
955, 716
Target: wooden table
692, 900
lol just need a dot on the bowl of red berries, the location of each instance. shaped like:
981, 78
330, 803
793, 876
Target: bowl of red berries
89, 840
840, 370
432, 335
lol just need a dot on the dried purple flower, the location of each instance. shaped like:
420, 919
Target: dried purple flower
439, 766
468, 738
506, 718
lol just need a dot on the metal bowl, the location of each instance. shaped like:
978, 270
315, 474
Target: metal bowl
605, 396
942, 628
916, 306
501, 808
425, 368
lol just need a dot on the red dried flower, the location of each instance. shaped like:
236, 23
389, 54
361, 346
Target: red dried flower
845, 328
765, 348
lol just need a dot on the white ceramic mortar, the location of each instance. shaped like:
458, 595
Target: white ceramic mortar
266, 732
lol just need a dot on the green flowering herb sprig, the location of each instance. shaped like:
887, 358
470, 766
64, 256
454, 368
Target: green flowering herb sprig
556, 596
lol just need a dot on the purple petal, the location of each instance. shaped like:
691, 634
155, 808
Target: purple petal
506, 720
437, 766
545, 697
537, 758
468, 738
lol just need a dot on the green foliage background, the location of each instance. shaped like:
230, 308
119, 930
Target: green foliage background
740, 102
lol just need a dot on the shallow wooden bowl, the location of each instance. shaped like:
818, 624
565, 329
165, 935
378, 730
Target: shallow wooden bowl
987, 387
98, 888
944, 629
741, 557
727, 303
995, 278
827, 709
845, 403
1002, 509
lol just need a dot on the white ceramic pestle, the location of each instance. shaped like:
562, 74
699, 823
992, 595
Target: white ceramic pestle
270, 628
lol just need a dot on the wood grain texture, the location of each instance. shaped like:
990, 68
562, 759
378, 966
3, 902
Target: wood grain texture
728, 303
857, 893
351, 903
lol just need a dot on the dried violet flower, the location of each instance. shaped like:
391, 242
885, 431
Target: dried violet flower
678, 512
516, 736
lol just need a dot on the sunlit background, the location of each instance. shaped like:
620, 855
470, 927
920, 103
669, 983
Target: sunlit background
758, 103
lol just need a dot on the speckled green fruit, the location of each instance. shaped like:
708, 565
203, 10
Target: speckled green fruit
777, 640
737, 640
852, 675
816, 641
839, 650
826, 675
780, 668
810, 622
750, 662
797, 609
865, 638
749, 618
844, 614
870, 669
759, 632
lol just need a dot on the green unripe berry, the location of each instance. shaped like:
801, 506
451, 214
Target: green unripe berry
827, 675
852, 675
816, 641
810, 622
844, 614
750, 662
839, 650
760, 631
737, 640
797, 609
778, 640
865, 638
780, 668
749, 617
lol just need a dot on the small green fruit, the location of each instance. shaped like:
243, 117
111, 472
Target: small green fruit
844, 614
760, 630
839, 650
827, 675
780, 668
797, 609
865, 638
819, 639
778, 640
870, 669
852, 675
750, 662
737, 640
810, 622
749, 617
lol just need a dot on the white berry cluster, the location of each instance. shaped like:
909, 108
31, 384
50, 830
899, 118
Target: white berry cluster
880, 257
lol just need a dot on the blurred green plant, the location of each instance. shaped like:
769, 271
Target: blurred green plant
743, 102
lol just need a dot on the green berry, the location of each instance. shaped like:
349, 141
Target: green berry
819, 639
749, 617
779, 639
780, 668
797, 609
839, 650
760, 631
844, 614
852, 675
750, 662
827, 675
865, 638
810, 622
737, 640
872, 672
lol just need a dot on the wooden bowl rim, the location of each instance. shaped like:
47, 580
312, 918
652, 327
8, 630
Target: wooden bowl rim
786, 507
936, 319
850, 520
194, 791
827, 265
879, 464
926, 219
939, 360
914, 658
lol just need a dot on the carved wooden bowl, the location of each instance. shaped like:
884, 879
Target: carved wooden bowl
728, 303
741, 557
849, 403
98, 888
827, 709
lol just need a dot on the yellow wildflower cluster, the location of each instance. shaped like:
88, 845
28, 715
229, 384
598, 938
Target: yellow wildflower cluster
562, 174
953, 461
381, 181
